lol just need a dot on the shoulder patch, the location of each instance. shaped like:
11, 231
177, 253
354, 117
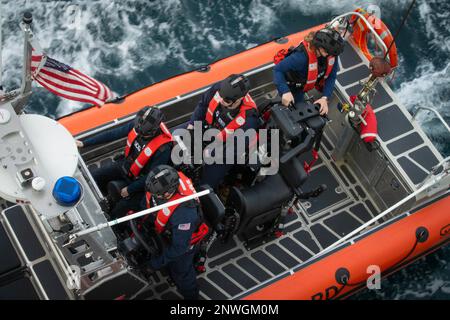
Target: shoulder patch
166, 211
240, 120
313, 66
184, 226
148, 152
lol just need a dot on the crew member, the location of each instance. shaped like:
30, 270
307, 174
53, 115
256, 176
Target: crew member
149, 144
226, 106
180, 225
313, 64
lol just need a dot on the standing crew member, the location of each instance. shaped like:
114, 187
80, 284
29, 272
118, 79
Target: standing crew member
149, 144
226, 106
180, 225
313, 64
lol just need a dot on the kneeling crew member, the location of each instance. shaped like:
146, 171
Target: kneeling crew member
226, 106
181, 225
149, 144
313, 64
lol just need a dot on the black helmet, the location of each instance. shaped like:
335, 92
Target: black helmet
162, 179
330, 40
147, 121
234, 87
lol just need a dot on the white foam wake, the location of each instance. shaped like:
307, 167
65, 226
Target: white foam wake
429, 88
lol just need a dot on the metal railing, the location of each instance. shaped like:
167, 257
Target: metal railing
369, 26
438, 115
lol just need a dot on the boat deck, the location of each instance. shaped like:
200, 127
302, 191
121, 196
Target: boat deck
402, 139
234, 270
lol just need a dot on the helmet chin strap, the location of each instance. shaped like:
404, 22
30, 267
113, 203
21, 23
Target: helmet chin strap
149, 136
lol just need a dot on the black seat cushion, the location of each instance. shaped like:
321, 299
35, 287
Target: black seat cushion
293, 172
212, 208
114, 189
260, 203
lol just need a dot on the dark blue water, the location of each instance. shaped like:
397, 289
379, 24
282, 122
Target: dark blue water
131, 44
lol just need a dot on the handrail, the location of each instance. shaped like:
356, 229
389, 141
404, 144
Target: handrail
438, 115
90, 179
372, 30
435, 168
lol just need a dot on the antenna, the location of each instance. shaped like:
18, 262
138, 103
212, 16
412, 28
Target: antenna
400, 28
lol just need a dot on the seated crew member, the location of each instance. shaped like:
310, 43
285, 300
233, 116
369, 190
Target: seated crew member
226, 106
148, 145
313, 64
180, 225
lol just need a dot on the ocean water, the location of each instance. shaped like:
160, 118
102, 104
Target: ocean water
131, 44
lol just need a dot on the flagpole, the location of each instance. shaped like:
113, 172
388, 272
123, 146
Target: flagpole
20, 102
1, 49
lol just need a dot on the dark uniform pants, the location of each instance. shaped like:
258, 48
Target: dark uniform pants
104, 174
134, 202
213, 174
183, 274
110, 172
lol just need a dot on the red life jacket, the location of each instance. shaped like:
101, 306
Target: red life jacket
237, 122
148, 151
313, 72
163, 216
313, 69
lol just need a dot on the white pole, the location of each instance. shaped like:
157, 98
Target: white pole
137, 215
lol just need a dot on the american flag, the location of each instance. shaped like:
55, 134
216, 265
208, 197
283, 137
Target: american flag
67, 82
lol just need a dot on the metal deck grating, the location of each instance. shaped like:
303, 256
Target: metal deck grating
398, 134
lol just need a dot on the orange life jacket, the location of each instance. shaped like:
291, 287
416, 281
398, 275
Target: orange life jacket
313, 72
313, 69
163, 216
148, 151
247, 105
